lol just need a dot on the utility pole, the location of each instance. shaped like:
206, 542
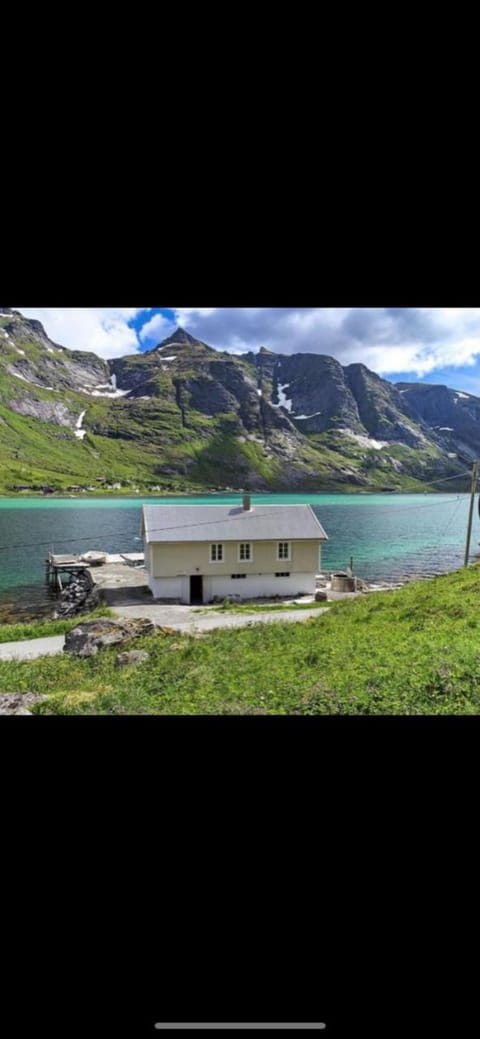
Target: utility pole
470, 513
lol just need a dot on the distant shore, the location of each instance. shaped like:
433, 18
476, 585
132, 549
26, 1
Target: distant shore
129, 492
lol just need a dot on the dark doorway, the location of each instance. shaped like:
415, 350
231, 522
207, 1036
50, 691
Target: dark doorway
196, 590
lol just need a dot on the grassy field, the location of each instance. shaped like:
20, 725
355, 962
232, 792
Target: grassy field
414, 651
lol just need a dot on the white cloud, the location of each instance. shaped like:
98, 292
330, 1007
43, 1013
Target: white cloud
156, 329
387, 340
102, 330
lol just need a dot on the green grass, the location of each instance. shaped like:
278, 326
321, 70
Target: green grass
41, 629
251, 608
414, 651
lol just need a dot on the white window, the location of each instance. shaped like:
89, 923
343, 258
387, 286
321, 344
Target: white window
245, 553
283, 550
216, 553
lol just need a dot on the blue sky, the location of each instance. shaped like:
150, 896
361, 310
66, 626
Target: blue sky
439, 344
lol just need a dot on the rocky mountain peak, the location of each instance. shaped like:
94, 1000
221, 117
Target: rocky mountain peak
25, 324
180, 338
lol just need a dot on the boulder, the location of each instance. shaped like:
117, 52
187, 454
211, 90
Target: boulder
320, 596
86, 639
132, 657
18, 703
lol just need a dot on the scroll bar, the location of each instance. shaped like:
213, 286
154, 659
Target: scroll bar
313, 1026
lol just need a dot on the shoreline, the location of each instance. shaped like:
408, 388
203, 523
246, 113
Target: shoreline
15, 613
228, 491
140, 497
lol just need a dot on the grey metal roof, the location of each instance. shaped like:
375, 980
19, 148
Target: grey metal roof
230, 523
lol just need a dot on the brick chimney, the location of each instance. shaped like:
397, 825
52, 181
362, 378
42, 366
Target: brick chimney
246, 503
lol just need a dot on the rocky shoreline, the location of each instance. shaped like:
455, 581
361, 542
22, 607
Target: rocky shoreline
81, 596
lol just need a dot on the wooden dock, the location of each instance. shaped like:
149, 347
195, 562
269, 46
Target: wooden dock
122, 569
69, 566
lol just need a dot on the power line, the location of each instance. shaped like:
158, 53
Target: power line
450, 521
465, 472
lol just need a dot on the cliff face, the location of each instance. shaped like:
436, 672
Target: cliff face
30, 355
186, 416
450, 414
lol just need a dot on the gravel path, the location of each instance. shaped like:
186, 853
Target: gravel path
31, 648
185, 619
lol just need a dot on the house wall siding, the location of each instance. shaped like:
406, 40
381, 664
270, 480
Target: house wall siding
170, 566
172, 560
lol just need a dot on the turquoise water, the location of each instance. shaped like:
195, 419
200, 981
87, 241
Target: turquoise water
389, 537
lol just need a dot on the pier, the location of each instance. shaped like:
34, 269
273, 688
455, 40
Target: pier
68, 566
107, 571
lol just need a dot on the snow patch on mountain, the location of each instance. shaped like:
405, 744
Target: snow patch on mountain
283, 401
365, 441
105, 393
18, 375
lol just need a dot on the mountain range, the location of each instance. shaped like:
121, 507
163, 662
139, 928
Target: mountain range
186, 417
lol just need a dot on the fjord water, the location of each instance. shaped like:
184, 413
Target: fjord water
389, 536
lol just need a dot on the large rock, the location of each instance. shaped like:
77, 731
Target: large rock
86, 639
45, 410
18, 703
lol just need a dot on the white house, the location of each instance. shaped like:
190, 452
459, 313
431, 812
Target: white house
194, 553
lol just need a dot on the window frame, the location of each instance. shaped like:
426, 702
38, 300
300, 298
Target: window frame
216, 545
287, 558
250, 558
